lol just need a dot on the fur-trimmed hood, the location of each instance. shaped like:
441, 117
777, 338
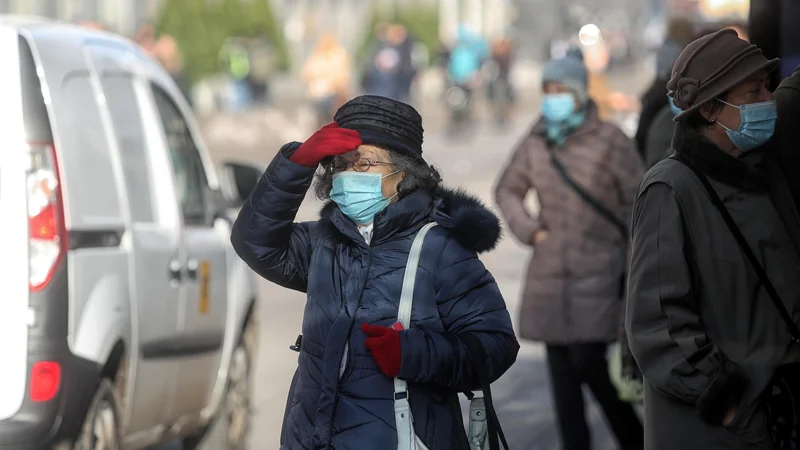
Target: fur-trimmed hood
464, 215
469, 220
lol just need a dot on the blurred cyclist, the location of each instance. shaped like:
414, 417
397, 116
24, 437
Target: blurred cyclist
466, 58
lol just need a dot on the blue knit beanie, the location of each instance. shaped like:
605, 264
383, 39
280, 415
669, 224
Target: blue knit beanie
570, 71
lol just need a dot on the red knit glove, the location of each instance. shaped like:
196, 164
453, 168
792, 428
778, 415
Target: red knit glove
329, 140
383, 344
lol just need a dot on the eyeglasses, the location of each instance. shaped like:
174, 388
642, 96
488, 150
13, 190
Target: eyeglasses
359, 165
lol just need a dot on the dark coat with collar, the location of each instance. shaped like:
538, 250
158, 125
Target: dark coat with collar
349, 282
699, 322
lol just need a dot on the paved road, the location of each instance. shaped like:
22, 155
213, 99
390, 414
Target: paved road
472, 161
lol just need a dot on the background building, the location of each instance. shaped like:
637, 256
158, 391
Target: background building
122, 16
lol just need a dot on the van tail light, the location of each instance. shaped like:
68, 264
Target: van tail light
46, 233
45, 381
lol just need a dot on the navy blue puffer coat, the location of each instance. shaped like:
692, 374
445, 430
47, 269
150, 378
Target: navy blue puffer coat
349, 282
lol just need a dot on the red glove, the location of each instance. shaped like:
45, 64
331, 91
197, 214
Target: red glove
329, 140
383, 344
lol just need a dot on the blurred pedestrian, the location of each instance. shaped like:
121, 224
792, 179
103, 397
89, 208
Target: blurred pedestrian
168, 53
383, 74
466, 59
145, 36
442, 56
654, 100
235, 60
585, 173
327, 75
263, 65
659, 138
404, 43
500, 90
373, 73
703, 321
351, 264
89, 24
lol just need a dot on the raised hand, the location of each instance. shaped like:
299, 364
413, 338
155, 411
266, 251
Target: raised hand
329, 140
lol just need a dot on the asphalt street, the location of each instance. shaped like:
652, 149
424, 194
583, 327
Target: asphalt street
471, 161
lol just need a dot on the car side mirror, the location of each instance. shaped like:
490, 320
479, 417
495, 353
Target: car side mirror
238, 181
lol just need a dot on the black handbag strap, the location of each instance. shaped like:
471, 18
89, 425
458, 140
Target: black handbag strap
588, 198
794, 331
495, 430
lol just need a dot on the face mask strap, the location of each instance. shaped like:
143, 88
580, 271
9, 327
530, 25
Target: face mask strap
723, 126
729, 104
387, 176
732, 106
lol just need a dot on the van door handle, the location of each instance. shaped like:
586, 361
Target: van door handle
191, 269
175, 273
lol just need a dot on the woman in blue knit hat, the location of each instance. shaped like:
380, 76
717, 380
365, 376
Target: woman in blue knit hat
585, 172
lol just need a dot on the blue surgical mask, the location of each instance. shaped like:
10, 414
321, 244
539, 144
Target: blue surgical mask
359, 195
758, 124
558, 107
675, 110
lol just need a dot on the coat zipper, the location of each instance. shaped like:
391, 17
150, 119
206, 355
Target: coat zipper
347, 340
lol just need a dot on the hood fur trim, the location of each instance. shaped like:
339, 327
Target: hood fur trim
468, 220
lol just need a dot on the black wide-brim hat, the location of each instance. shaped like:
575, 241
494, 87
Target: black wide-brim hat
384, 122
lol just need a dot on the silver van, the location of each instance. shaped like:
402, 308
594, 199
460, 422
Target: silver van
126, 318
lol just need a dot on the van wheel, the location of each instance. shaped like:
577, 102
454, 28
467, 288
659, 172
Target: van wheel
234, 419
240, 388
101, 428
237, 408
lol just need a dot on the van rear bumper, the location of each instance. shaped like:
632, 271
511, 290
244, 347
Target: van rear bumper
41, 425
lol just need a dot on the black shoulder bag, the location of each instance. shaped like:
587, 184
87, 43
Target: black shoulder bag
495, 431
588, 198
783, 395
630, 370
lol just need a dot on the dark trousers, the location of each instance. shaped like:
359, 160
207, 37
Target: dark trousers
570, 367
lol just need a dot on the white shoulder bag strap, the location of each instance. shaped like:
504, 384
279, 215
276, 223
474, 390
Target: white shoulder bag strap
406, 439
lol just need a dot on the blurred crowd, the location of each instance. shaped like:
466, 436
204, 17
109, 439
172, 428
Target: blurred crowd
247, 62
393, 62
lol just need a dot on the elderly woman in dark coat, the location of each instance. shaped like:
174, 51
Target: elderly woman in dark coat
700, 322
351, 264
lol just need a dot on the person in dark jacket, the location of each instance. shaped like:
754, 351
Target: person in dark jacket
572, 299
700, 324
350, 263
654, 99
659, 137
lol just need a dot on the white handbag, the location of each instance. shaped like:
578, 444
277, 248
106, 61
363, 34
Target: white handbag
478, 418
